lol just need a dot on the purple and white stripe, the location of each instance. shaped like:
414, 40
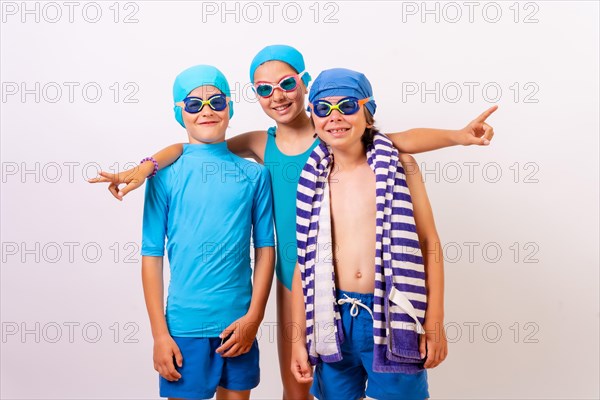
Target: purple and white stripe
400, 297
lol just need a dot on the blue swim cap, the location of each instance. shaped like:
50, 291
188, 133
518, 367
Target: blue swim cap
196, 76
280, 52
342, 82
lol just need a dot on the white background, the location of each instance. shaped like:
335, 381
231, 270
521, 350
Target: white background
521, 324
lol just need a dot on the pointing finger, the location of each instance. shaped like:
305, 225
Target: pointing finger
486, 114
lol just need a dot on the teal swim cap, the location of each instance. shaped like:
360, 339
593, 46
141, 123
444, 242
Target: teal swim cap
280, 52
196, 76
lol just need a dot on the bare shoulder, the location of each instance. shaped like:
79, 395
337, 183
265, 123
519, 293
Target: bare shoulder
255, 134
258, 137
249, 145
258, 142
251, 136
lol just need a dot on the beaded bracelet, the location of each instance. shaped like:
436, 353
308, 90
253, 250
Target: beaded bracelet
155, 166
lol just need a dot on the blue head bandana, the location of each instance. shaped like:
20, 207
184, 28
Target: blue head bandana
342, 82
196, 76
280, 52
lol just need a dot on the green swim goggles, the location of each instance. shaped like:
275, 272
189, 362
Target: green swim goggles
346, 106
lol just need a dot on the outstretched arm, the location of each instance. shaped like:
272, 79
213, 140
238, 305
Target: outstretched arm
247, 145
134, 177
420, 140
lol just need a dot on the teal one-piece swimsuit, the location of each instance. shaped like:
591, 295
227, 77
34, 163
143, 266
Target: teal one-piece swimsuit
285, 173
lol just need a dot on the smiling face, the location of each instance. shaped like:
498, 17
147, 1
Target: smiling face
341, 131
283, 107
208, 125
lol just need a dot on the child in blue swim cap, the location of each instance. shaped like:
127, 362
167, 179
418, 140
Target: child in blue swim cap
369, 316
208, 203
280, 79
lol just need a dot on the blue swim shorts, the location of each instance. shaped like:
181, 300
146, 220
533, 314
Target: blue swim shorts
347, 379
203, 370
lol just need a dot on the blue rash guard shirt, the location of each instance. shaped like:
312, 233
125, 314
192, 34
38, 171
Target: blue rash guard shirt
208, 204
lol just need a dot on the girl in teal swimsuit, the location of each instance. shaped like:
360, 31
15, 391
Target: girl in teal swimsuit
280, 82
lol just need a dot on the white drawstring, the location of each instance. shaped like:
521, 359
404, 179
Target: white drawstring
355, 304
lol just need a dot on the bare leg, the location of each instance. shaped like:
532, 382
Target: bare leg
225, 394
292, 390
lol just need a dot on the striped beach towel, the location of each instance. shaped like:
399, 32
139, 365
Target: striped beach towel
400, 295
